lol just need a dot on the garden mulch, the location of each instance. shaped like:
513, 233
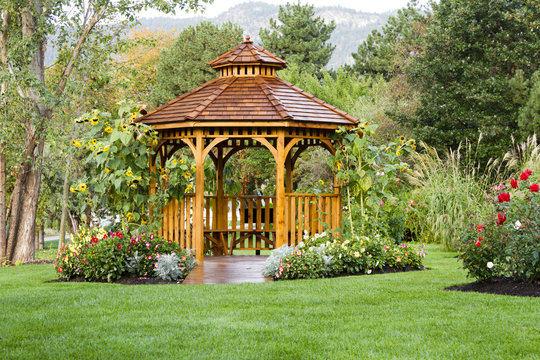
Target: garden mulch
501, 286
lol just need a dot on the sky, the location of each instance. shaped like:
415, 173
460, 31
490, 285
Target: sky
219, 6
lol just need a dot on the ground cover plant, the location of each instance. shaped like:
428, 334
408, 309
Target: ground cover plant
97, 255
385, 316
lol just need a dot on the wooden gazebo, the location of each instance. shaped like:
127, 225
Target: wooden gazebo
246, 106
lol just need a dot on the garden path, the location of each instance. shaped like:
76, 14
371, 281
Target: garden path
234, 269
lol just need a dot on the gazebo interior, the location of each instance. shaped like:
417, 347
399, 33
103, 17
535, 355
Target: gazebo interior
247, 106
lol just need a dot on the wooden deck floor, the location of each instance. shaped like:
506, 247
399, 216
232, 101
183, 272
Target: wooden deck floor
234, 269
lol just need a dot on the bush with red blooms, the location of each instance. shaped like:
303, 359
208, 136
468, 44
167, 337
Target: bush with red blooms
96, 255
507, 244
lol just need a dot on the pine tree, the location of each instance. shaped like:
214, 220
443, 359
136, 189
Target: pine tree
183, 66
300, 38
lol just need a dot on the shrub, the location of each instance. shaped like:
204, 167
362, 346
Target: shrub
321, 256
272, 264
507, 243
95, 254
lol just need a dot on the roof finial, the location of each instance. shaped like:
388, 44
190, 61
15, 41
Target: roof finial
248, 38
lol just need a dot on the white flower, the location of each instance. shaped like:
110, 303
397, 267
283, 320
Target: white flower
356, 254
489, 265
369, 271
517, 225
301, 244
362, 250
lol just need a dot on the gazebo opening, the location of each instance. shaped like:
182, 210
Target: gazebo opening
247, 107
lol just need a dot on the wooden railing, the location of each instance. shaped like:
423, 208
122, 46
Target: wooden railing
248, 221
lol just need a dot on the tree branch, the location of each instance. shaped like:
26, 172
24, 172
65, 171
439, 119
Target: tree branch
98, 15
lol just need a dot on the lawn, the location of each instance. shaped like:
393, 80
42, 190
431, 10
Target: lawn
401, 316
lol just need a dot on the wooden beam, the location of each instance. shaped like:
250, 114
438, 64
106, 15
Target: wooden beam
198, 213
280, 189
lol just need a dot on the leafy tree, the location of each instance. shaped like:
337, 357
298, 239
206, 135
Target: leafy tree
300, 38
183, 66
473, 51
529, 114
387, 52
25, 27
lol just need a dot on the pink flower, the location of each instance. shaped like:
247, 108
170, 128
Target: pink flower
382, 203
147, 244
480, 228
412, 203
407, 210
60, 269
403, 246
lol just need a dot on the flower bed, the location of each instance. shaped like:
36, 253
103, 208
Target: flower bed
96, 255
321, 256
507, 244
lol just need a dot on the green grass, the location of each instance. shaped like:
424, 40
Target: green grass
391, 316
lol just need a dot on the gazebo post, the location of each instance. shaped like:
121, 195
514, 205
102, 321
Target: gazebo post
198, 213
221, 214
280, 189
288, 174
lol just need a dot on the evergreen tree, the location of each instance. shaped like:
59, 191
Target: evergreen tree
388, 51
474, 49
529, 114
183, 66
299, 38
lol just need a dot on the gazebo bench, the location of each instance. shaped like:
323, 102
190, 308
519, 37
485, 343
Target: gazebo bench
220, 237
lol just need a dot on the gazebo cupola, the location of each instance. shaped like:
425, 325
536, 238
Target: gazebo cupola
247, 106
248, 59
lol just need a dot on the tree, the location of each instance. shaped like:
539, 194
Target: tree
300, 38
25, 27
387, 52
529, 114
183, 66
473, 52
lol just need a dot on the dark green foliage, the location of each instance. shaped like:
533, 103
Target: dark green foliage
183, 66
529, 114
388, 51
473, 51
300, 38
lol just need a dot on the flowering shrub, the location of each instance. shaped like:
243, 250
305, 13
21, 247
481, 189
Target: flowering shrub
95, 254
507, 243
322, 256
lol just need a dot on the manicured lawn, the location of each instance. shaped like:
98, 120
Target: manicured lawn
392, 316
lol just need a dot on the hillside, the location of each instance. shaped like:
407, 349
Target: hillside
352, 27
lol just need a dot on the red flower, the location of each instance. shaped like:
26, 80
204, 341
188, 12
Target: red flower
478, 243
501, 218
480, 228
133, 241
504, 197
94, 239
118, 246
84, 261
525, 175
60, 269
480, 238
105, 236
514, 183
534, 187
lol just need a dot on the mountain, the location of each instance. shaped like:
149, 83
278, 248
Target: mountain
352, 27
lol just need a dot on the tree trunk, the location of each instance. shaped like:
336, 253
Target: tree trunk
41, 237
64, 208
24, 232
3, 208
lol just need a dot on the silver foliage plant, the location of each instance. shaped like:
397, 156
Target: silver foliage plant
271, 265
167, 268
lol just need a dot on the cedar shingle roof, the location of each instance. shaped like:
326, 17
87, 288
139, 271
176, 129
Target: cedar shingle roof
248, 53
248, 98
